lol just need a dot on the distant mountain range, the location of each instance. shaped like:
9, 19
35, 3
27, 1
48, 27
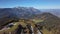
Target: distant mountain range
53, 11
20, 12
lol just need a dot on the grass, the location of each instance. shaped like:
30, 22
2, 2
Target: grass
45, 31
11, 29
14, 27
37, 20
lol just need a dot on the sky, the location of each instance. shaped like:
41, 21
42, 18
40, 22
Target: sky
39, 4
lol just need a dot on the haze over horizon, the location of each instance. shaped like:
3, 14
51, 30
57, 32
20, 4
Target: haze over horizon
39, 4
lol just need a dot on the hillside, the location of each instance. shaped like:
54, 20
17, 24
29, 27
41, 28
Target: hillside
51, 22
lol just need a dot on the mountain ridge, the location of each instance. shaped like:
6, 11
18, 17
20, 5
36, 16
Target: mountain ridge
53, 11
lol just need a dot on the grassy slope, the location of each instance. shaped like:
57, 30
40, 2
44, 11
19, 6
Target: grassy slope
45, 31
